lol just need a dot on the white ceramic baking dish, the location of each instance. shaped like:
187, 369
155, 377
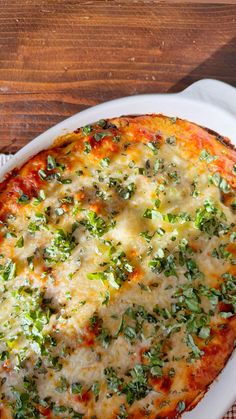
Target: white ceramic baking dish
207, 102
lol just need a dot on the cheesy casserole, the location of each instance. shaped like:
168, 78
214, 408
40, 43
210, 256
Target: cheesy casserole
117, 272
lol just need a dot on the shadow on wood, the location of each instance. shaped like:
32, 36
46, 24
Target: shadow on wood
212, 68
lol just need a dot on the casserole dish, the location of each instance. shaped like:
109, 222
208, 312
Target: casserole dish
189, 106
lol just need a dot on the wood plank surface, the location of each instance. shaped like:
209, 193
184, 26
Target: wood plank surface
58, 57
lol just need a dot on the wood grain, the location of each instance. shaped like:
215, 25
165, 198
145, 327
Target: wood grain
58, 57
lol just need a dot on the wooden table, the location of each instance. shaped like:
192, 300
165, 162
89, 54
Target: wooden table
58, 57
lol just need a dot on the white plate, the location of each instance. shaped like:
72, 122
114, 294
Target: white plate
207, 102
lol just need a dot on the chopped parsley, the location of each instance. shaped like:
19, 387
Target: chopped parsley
221, 252
122, 413
146, 235
54, 176
98, 136
20, 242
41, 197
126, 192
39, 221
180, 406
177, 218
174, 176
51, 163
62, 385
152, 213
87, 147
137, 388
62, 245
95, 224
87, 129
96, 390
59, 211
208, 220
196, 352
79, 172
155, 359
116, 272
219, 181
163, 263
105, 162
193, 271
8, 271
205, 155
171, 140
23, 198
114, 383
154, 146
76, 388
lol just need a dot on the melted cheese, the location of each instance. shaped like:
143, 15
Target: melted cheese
103, 293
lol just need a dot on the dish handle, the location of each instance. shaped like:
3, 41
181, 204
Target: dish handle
214, 92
